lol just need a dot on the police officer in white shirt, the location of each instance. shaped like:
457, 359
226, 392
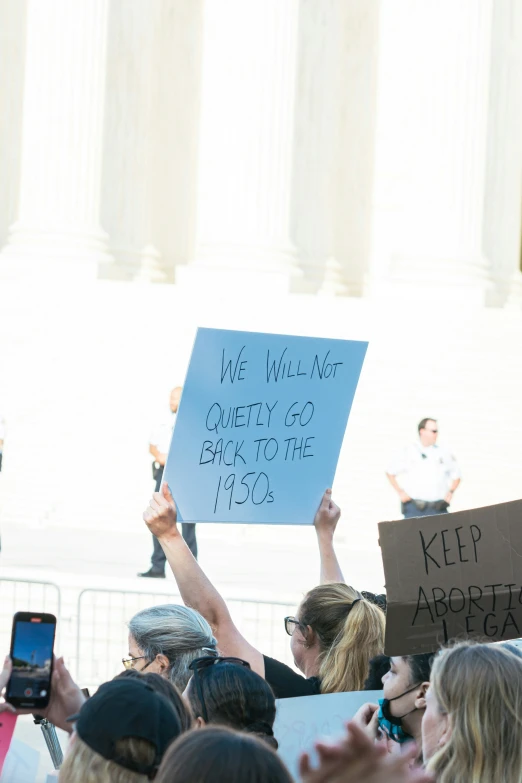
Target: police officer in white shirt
429, 474
159, 447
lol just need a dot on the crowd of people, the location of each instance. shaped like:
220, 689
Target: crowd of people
196, 701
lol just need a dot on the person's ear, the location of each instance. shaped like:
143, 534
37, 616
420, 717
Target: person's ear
310, 636
420, 696
199, 723
163, 662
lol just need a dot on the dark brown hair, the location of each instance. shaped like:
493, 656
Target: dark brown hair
220, 755
236, 697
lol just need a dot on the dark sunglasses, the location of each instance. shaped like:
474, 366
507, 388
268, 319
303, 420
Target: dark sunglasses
291, 624
200, 664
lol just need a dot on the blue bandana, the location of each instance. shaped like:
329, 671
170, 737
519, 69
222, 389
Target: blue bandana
391, 725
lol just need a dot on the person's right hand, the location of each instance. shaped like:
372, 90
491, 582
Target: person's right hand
356, 759
327, 515
160, 516
66, 698
404, 496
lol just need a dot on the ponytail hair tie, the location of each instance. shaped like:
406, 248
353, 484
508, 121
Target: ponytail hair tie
354, 602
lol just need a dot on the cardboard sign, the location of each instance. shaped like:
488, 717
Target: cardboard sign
453, 576
260, 426
300, 722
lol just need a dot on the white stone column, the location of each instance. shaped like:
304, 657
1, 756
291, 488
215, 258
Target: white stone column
334, 143
432, 125
245, 144
503, 206
58, 218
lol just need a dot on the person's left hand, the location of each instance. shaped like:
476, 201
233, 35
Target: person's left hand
448, 497
327, 515
4, 679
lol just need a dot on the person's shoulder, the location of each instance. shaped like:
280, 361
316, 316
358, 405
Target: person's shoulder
286, 683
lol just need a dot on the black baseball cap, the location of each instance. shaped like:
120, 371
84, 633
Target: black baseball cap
127, 708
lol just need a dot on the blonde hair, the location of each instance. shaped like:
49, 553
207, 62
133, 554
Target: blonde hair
83, 765
348, 635
480, 687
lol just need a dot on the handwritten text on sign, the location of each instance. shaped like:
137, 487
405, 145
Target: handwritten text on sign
260, 425
453, 576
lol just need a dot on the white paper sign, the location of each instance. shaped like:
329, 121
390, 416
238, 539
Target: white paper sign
21, 764
300, 722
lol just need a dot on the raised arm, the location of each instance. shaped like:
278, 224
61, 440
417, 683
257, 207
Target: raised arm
195, 588
325, 523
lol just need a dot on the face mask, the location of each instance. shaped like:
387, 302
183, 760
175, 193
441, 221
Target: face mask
391, 725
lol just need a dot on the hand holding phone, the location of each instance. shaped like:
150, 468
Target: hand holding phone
32, 647
66, 699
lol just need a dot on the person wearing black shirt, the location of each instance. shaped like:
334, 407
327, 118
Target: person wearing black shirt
335, 632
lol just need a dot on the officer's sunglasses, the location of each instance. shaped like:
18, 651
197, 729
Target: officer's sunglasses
200, 664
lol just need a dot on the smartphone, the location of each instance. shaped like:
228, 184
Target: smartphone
7, 727
32, 646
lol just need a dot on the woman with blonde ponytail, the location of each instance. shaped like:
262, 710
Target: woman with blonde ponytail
334, 633
350, 631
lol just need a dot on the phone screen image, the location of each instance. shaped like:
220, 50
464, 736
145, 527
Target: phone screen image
32, 657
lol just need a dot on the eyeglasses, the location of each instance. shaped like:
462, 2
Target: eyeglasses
128, 663
291, 623
200, 664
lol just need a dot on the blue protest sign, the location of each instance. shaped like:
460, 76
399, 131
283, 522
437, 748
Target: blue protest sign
260, 426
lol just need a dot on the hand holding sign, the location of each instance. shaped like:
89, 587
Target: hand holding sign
160, 516
328, 515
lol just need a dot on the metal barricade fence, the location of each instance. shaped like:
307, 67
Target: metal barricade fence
102, 635
26, 595
98, 633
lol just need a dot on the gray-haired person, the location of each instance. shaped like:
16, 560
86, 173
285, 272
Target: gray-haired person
166, 639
